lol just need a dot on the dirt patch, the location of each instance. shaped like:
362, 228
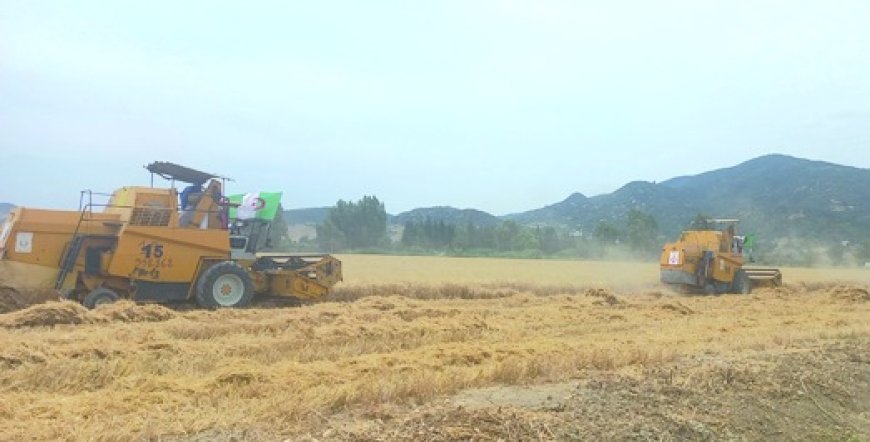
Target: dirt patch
813, 395
486, 424
819, 394
545, 396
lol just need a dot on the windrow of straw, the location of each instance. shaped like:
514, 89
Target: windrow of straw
70, 313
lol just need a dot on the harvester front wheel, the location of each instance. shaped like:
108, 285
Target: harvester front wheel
224, 284
741, 284
99, 296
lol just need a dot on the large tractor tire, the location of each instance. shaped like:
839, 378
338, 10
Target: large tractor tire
99, 296
225, 284
741, 284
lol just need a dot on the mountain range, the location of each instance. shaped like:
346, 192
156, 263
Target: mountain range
773, 196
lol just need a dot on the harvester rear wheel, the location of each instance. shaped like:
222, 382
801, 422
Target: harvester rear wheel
741, 284
99, 296
224, 284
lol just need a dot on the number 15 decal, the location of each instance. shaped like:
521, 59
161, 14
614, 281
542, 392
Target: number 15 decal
152, 249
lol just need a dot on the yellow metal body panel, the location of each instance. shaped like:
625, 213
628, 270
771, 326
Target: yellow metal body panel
685, 254
725, 266
131, 203
37, 236
165, 254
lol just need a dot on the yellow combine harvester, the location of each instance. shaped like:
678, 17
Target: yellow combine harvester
144, 247
712, 261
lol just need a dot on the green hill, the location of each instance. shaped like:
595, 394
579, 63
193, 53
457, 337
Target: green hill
315, 215
799, 209
810, 205
448, 215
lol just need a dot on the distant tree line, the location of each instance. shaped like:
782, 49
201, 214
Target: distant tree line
637, 234
362, 226
354, 226
505, 237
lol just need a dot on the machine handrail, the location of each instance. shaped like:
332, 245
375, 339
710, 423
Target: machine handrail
125, 206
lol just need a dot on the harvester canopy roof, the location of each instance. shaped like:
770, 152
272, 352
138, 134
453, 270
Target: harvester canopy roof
723, 221
172, 171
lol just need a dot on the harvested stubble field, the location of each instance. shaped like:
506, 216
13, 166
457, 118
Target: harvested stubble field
447, 349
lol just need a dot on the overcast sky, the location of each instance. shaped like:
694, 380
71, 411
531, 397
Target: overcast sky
503, 106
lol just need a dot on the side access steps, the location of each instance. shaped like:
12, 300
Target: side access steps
69, 260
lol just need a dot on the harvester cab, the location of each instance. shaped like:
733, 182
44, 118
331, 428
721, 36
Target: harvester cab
711, 260
153, 244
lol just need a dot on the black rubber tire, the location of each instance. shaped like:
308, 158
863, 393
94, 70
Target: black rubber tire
205, 286
741, 285
710, 289
98, 296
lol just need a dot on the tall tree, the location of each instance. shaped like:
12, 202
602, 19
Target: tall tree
548, 239
354, 225
607, 232
505, 234
279, 233
642, 230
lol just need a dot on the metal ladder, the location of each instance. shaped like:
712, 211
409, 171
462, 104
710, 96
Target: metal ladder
68, 260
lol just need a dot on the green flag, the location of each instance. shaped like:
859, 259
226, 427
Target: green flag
257, 205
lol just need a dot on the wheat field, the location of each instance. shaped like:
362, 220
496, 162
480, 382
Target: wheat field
386, 356
378, 269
